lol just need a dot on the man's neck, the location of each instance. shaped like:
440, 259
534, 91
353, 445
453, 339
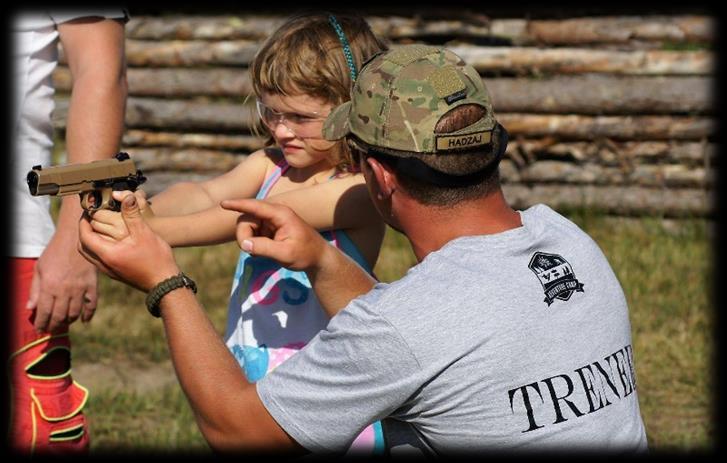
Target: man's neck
429, 228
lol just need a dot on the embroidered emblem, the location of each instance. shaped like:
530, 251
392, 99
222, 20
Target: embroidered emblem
555, 275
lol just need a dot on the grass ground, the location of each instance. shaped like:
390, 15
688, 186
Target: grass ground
665, 268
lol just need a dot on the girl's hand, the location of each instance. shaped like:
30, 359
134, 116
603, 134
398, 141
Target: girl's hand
110, 224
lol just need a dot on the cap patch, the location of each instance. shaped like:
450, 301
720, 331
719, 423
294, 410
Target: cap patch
406, 55
463, 141
447, 83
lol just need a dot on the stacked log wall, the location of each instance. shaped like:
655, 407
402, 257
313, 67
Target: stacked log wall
613, 112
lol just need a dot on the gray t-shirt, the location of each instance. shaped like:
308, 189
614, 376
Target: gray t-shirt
514, 341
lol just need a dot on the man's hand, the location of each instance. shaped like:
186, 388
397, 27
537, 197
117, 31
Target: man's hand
141, 258
64, 285
275, 231
111, 223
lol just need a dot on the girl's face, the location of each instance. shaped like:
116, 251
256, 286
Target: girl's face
296, 124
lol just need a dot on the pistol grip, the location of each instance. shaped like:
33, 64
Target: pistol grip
99, 199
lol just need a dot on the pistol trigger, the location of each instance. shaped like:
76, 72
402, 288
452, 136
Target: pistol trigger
84, 201
114, 205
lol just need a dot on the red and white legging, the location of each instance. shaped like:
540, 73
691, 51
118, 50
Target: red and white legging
46, 404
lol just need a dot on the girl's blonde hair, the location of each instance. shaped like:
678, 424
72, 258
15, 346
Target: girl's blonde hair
305, 56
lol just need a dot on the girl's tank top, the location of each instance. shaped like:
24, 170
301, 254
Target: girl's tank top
273, 312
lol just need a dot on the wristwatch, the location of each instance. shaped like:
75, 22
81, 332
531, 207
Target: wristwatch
160, 290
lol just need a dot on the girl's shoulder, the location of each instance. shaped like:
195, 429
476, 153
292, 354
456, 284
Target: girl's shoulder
273, 154
270, 155
341, 174
267, 159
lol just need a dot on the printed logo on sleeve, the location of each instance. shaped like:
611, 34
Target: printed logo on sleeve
555, 275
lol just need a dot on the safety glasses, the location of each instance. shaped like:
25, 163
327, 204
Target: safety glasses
303, 125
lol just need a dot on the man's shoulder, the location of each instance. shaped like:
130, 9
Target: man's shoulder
543, 220
386, 294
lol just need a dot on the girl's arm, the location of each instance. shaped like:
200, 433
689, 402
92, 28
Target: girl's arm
210, 226
340, 204
188, 213
243, 181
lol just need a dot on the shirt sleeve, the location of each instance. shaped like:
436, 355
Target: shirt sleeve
59, 17
356, 371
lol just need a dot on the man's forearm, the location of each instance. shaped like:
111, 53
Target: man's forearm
226, 406
206, 370
95, 119
337, 279
68, 216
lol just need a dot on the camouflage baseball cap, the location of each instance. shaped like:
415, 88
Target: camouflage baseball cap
400, 96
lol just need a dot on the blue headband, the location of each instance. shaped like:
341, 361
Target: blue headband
345, 45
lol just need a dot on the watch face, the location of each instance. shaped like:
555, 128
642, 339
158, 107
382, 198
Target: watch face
188, 282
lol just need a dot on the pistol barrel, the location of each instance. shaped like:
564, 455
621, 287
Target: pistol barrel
78, 178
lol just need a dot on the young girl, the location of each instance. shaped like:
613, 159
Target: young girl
305, 68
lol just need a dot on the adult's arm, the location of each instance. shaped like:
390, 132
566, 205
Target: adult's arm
226, 406
64, 285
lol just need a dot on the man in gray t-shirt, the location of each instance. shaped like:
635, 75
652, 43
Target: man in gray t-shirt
518, 339
511, 333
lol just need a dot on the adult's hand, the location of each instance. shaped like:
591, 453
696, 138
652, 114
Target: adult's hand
111, 224
64, 285
275, 231
141, 258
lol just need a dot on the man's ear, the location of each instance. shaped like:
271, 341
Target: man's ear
384, 175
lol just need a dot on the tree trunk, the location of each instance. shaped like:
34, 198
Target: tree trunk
510, 60
592, 95
525, 61
584, 31
176, 82
566, 173
178, 53
615, 200
598, 94
576, 127
609, 153
145, 138
185, 160
588, 30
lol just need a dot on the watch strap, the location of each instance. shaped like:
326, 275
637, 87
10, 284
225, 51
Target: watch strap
164, 287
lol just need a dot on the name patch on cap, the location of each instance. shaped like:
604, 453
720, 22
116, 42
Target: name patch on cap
463, 141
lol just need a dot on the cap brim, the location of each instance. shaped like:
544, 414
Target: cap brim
336, 125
